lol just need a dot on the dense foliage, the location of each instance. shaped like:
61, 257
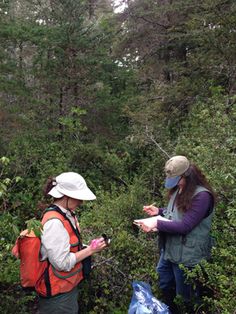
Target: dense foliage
111, 96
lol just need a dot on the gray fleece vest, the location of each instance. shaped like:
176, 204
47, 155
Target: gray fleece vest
188, 249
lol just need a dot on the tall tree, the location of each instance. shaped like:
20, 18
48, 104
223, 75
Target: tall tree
181, 48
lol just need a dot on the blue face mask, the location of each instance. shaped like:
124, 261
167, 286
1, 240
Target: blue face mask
172, 182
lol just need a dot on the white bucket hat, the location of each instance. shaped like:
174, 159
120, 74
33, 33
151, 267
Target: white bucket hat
73, 185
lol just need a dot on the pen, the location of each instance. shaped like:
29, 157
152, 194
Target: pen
152, 204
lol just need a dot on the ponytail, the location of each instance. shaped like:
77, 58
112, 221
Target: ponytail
48, 186
51, 181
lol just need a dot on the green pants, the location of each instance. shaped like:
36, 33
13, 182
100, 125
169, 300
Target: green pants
65, 303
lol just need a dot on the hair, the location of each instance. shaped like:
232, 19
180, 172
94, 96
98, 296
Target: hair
193, 177
47, 187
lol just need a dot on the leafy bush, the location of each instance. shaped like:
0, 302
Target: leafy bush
208, 138
131, 255
12, 298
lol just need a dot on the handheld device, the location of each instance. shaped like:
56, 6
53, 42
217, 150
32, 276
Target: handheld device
106, 239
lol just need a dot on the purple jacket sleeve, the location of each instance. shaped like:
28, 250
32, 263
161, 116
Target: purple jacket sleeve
200, 207
161, 211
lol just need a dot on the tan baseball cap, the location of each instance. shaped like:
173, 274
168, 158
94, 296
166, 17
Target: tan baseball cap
175, 167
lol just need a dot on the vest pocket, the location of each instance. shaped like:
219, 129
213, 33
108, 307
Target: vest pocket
194, 251
173, 249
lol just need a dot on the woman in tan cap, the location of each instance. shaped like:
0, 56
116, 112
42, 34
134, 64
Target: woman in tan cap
62, 247
186, 234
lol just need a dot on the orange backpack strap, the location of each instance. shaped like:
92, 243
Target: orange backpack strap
52, 215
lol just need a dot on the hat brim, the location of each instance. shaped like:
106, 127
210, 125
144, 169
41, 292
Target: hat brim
172, 182
83, 195
55, 193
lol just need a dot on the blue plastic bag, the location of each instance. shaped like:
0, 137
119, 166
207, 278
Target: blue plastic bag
143, 301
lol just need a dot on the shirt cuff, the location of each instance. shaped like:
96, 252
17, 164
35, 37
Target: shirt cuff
72, 260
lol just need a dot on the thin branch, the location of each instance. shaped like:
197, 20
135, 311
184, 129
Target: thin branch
151, 137
109, 262
132, 15
104, 261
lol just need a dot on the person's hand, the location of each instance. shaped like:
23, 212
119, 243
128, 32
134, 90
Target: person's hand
97, 245
151, 210
147, 228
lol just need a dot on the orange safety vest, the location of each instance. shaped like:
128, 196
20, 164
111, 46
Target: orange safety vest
53, 281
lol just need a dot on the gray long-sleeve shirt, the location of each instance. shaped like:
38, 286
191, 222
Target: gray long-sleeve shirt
201, 205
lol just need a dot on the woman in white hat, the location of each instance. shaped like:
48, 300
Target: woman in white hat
186, 234
62, 247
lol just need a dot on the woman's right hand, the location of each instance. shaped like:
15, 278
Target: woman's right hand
151, 210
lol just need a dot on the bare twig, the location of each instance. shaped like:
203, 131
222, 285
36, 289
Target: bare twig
151, 137
110, 261
104, 261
